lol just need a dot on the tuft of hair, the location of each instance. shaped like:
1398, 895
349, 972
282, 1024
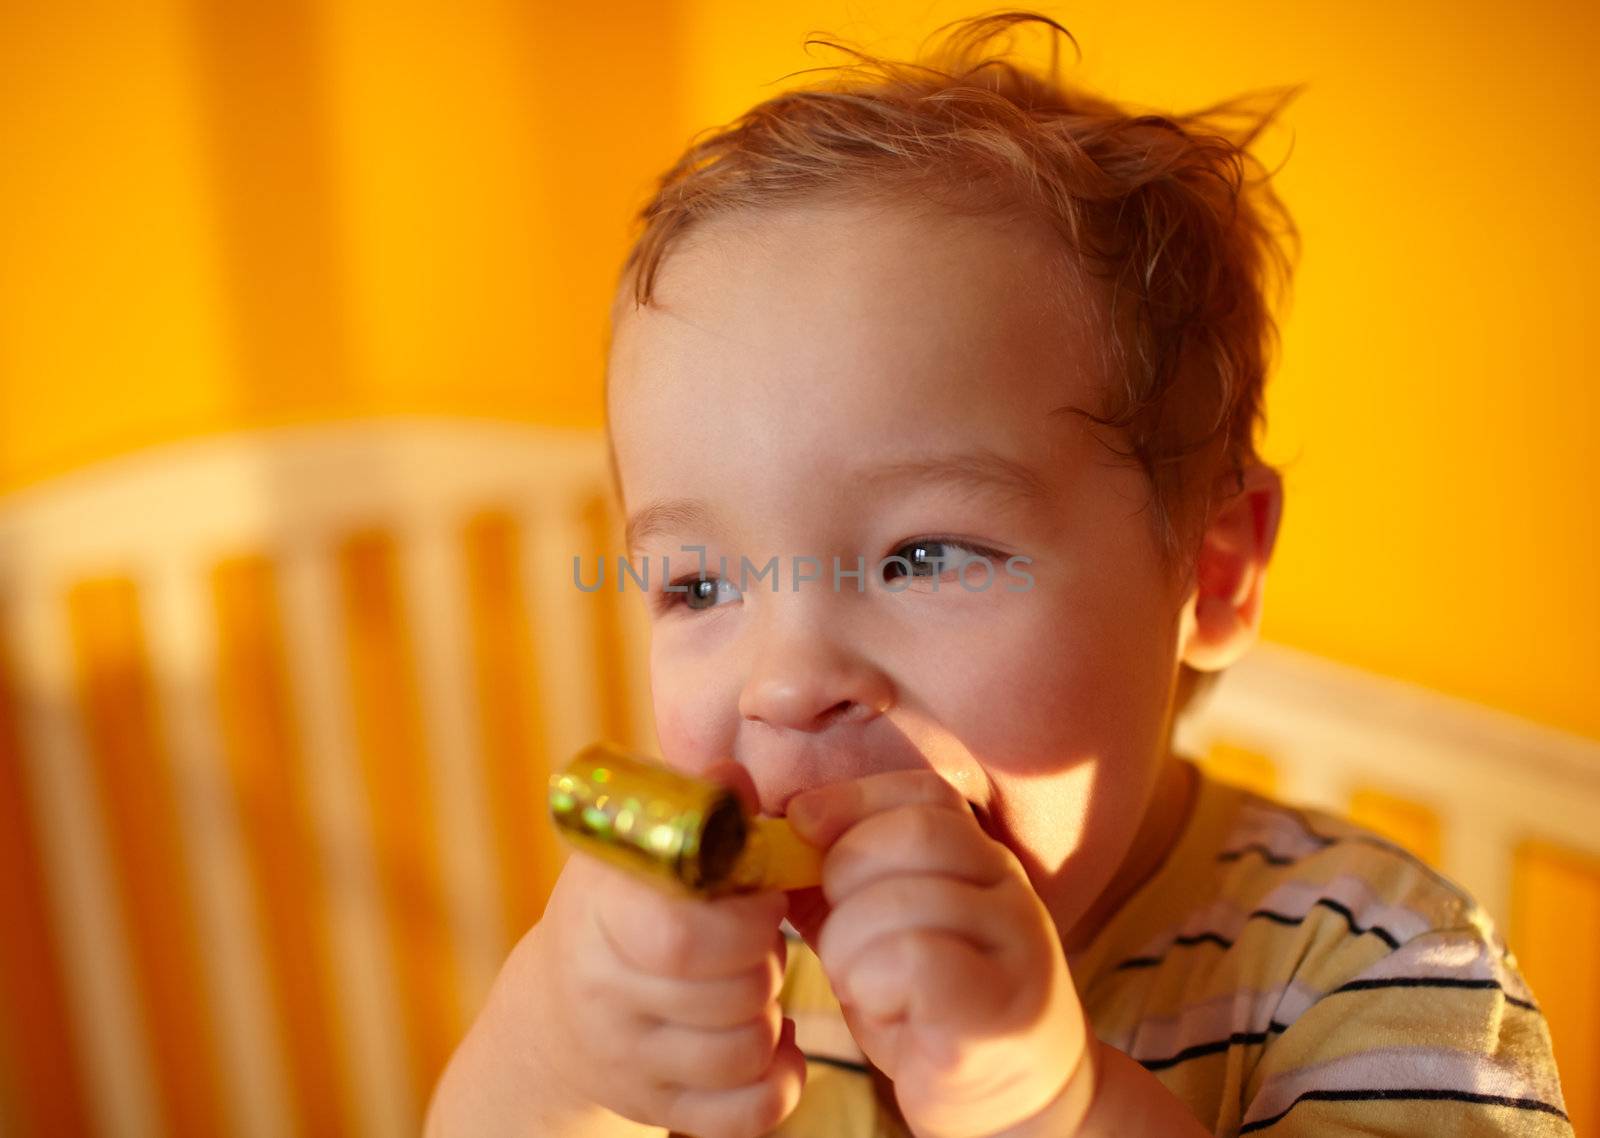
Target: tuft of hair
1170, 211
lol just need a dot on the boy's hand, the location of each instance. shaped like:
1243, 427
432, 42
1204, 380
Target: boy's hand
628, 1010
946, 964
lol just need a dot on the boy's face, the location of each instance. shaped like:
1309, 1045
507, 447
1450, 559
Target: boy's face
802, 379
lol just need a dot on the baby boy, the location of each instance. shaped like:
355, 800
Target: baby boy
931, 399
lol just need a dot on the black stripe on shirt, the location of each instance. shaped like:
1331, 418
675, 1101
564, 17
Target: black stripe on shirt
1284, 810
1195, 938
1433, 982
1197, 1050
1402, 1094
842, 1064
1322, 843
1378, 931
1266, 855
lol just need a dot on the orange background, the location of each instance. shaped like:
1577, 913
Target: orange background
217, 217
221, 216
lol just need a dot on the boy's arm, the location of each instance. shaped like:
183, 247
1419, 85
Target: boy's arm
1112, 1096
492, 1088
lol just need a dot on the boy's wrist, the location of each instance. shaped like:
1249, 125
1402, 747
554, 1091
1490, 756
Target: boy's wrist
1068, 1112
502, 1083
478, 1098
1112, 1096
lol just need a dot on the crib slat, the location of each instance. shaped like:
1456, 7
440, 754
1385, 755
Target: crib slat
1241, 765
35, 1022
389, 732
511, 706
130, 764
266, 763
1555, 925
1411, 824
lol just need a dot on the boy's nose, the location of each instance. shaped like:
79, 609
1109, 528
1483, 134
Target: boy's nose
812, 685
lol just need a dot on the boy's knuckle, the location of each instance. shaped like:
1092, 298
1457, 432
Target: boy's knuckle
921, 828
897, 898
747, 994
670, 947
768, 1106
919, 957
742, 1070
767, 981
589, 987
748, 1051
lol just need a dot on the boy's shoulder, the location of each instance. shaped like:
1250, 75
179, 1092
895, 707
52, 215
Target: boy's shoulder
1339, 873
1288, 967
1277, 890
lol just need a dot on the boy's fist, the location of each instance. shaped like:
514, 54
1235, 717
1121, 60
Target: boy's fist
627, 1009
946, 964
664, 1008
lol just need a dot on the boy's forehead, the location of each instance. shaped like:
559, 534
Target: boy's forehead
883, 268
853, 328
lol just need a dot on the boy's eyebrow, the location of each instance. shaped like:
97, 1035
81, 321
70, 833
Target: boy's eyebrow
665, 517
980, 471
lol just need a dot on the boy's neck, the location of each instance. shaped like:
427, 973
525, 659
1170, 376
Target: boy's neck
1163, 823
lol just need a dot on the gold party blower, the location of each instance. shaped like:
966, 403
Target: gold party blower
688, 835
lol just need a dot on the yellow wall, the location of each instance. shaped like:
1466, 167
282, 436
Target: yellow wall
218, 216
221, 216
1435, 405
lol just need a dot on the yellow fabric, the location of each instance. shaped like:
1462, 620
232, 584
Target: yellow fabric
1285, 972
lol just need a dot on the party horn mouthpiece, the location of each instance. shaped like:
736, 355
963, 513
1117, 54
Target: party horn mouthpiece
683, 833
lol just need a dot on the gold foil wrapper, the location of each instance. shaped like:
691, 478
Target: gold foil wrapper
687, 834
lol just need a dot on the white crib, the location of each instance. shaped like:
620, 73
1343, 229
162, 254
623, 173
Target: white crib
285, 701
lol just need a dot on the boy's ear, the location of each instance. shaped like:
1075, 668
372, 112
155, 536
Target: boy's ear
1221, 621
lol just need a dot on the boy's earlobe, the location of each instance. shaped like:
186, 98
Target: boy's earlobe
1231, 570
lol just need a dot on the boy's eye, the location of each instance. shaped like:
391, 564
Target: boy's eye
702, 593
931, 556
926, 558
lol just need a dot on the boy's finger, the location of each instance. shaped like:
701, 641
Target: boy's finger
823, 813
933, 977
719, 1059
722, 1003
896, 905
754, 1108
911, 840
686, 937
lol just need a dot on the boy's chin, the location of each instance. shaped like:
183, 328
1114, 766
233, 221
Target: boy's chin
808, 908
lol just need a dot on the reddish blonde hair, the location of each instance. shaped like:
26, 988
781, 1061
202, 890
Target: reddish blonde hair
1158, 207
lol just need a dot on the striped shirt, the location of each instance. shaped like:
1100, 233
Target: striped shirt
1285, 972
